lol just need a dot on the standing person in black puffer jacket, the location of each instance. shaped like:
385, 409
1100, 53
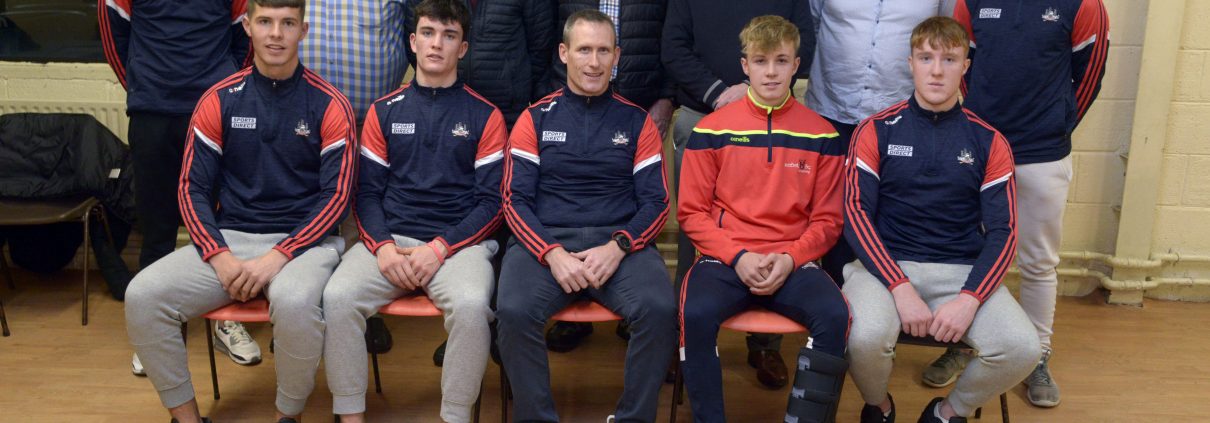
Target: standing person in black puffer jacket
639, 77
511, 43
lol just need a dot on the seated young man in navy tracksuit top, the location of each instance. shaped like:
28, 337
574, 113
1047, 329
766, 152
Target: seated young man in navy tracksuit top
929, 195
762, 246
428, 199
274, 145
585, 196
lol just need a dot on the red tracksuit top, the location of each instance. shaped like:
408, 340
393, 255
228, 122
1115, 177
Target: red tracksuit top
762, 179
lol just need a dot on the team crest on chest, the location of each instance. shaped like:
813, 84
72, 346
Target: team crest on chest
965, 157
620, 139
301, 129
460, 130
1051, 15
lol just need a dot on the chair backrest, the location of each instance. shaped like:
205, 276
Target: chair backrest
255, 310
760, 320
585, 311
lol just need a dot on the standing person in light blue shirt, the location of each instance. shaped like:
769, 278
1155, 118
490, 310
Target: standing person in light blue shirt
358, 46
860, 69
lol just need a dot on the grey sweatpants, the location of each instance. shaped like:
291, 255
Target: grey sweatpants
181, 286
1007, 346
461, 288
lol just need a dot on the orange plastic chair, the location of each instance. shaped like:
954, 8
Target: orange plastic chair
413, 305
579, 311
255, 310
754, 319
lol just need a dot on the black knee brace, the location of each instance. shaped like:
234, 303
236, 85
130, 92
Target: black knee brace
815, 395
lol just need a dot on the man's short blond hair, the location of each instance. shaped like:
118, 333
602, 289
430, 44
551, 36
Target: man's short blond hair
941, 33
767, 33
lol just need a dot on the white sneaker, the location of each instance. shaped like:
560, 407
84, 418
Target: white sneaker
232, 339
136, 366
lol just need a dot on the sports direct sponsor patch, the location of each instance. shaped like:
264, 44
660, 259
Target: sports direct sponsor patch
899, 150
553, 136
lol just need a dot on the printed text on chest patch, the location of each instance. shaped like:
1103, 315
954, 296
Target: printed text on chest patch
899, 150
553, 136
403, 128
989, 13
238, 122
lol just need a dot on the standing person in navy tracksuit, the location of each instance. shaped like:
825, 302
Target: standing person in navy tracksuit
929, 195
166, 56
1036, 68
585, 196
275, 145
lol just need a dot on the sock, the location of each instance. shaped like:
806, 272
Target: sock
937, 414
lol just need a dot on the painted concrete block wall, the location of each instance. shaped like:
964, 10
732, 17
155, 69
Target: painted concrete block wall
75, 86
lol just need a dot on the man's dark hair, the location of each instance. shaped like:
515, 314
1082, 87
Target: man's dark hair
300, 4
444, 11
591, 16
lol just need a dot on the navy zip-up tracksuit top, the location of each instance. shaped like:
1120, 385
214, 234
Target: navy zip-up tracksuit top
167, 53
267, 156
933, 188
1036, 67
577, 161
431, 163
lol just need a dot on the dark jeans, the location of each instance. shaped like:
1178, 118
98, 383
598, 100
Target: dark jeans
841, 254
713, 293
639, 291
157, 144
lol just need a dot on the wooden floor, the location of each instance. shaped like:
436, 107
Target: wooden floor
1114, 364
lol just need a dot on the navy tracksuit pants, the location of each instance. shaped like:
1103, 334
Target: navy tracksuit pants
712, 292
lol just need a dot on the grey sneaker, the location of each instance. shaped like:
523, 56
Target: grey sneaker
946, 369
1043, 391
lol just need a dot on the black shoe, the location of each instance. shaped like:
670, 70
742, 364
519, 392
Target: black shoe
378, 338
439, 355
204, 420
770, 368
929, 416
623, 330
873, 414
286, 420
566, 336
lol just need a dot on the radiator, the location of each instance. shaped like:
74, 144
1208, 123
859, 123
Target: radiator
110, 114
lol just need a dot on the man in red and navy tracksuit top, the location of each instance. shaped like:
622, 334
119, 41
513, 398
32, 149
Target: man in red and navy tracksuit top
585, 196
166, 55
268, 173
760, 199
1036, 68
929, 209
428, 199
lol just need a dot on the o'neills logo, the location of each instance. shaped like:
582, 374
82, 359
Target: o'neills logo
243, 122
552, 136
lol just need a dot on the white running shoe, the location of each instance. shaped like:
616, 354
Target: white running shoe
232, 339
136, 366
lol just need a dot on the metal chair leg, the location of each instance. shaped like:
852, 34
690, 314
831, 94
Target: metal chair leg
84, 296
8, 273
1004, 407
3, 319
210, 349
377, 382
678, 388
504, 394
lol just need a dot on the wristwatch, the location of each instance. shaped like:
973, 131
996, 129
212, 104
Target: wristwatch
623, 242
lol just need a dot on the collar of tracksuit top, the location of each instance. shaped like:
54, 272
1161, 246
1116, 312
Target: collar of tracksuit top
931, 187
277, 155
579, 161
431, 162
764, 179
1036, 67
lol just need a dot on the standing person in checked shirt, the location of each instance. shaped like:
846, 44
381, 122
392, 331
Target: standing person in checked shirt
1036, 68
427, 203
359, 46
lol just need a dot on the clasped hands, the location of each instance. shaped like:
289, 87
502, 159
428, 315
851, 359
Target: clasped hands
410, 268
947, 324
245, 279
579, 270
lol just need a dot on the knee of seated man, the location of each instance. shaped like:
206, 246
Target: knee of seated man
466, 308
1013, 349
144, 292
519, 313
876, 339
